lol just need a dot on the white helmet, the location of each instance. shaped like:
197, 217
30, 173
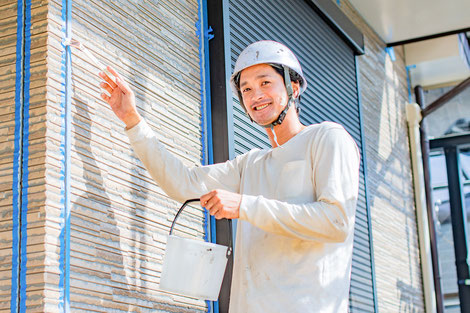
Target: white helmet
273, 53
269, 52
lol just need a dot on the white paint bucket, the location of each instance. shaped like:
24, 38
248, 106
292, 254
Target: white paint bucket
193, 268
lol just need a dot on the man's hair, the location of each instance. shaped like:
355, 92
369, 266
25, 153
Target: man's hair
294, 76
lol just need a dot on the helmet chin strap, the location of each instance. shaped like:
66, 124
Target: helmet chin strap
279, 120
290, 99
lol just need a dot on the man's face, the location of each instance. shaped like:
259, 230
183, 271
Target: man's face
264, 93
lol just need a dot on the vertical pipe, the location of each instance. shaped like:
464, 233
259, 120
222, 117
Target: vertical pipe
419, 94
459, 225
413, 114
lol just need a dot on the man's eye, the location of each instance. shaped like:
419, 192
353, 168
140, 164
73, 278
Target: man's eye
246, 90
265, 82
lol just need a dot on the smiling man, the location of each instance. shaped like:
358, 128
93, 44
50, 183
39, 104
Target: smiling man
295, 202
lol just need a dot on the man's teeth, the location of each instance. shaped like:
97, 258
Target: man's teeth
261, 107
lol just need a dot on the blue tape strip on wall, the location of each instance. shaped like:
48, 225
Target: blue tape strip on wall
25, 172
20, 158
17, 157
206, 116
65, 147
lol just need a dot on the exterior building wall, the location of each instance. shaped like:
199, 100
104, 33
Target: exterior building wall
383, 90
119, 215
33, 158
8, 15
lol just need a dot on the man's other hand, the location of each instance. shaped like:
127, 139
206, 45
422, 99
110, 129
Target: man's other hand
222, 203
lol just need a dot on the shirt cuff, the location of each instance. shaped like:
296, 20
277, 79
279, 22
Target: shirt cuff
138, 130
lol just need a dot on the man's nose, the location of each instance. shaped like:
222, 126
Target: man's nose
258, 94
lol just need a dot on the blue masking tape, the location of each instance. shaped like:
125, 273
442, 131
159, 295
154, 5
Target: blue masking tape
25, 172
206, 135
202, 32
65, 148
68, 144
408, 81
17, 156
391, 52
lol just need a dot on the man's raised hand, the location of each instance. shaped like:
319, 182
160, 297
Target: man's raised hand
121, 99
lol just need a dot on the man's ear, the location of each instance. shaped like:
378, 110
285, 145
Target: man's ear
295, 89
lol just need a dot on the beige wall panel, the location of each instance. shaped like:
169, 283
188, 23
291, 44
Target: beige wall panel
36, 230
394, 229
37, 253
8, 14
120, 216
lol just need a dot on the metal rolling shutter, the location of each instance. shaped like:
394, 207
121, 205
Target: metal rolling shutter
330, 67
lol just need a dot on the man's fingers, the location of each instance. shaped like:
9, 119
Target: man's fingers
217, 211
112, 71
106, 87
107, 79
212, 203
205, 198
123, 85
119, 80
105, 97
213, 211
213, 207
221, 203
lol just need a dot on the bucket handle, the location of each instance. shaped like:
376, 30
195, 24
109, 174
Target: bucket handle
229, 249
179, 212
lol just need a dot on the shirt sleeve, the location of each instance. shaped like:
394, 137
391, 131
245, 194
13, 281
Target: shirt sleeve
330, 218
173, 176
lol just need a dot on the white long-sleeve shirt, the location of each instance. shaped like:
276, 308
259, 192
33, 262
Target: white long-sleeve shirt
295, 232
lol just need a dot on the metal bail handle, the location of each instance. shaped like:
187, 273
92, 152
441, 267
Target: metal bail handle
179, 212
229, 248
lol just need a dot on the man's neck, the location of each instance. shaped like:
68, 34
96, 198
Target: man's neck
290, 127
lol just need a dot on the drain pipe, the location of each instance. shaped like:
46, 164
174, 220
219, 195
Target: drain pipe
419, 95
413, 115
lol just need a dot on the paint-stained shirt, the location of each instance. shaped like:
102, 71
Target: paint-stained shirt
294, 239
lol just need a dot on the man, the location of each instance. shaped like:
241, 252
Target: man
295, 202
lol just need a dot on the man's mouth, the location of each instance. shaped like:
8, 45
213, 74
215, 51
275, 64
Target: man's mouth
260, 107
